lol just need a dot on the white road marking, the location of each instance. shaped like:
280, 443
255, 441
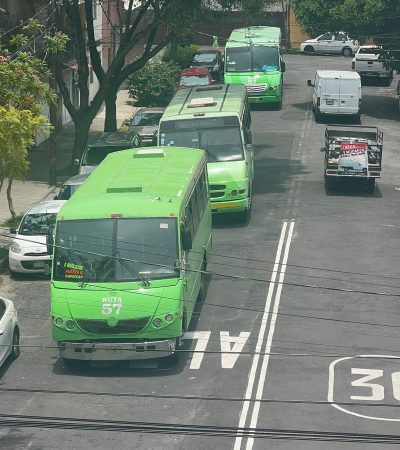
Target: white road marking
331, 384
202, 340
230, 354
260, 339
268, 346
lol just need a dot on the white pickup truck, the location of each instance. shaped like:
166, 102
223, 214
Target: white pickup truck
368, 64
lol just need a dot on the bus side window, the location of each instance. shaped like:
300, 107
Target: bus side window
248, 139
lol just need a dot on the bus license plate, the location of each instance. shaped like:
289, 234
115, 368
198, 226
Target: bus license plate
225, 205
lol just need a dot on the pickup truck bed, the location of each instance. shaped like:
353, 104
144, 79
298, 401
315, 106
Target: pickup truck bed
370, 64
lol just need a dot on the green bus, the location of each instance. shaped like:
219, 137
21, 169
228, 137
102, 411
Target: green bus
217, 120
130, 248
253, 58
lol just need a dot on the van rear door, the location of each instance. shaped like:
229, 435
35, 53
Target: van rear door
350, 94
330, 95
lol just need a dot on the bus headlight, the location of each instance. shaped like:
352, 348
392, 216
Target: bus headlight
234, 193
69, 324
58, 321
157, 323
169, 318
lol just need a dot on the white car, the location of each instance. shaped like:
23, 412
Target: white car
28, 251
339, 43
9, 331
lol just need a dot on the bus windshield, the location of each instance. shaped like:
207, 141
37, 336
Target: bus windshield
115, 250
220, 144
252, 59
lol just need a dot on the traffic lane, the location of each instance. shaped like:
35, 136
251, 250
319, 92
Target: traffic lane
40, 365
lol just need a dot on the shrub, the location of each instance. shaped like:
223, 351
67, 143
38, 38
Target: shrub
154, 84
184, 55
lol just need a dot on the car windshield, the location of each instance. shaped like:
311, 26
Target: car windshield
204, 59
370, 51
252, 59
37, 224
220, 144
198, 80
95, 155
114, 250
146, 119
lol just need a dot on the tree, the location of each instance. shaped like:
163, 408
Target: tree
137, 24
378, 19
22, 96
18, 131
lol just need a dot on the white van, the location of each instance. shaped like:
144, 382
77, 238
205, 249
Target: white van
336, 92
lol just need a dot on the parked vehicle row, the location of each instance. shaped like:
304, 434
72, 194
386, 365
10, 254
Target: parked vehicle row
9, 331
333, 43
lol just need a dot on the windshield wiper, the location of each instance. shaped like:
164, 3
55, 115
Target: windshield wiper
212, 154
144, 280
89, 278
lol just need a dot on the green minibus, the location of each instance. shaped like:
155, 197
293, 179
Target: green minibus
217, 120
122, 287
253, 58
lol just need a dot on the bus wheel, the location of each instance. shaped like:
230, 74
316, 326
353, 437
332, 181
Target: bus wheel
74, 364
244, 216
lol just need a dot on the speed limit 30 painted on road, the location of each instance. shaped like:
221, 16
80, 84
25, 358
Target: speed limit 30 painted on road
366, 386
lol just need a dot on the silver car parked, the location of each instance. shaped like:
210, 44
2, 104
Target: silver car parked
339, 43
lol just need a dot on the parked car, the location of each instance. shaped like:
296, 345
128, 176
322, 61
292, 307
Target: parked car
368, 64
9, 331
331, 43
70, 186
336, 92
28, 251
101, 144
195, 77
212, 60
145, 122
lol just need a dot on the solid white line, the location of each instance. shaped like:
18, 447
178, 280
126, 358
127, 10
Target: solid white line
260, 340
264, 367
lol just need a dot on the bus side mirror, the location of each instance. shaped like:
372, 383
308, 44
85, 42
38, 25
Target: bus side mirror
322, 149
309, 83
49, 241
187, 242
13, 230
283, 66
76, 162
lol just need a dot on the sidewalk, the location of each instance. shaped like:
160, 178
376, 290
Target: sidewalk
36, 188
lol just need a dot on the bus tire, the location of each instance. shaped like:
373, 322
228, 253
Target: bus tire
244, 216
74, 364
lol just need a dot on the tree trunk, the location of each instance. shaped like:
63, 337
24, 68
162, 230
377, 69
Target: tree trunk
82, 126
110, 122
9, 199
174, 50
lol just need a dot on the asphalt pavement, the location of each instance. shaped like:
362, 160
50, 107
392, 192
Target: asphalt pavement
301, 350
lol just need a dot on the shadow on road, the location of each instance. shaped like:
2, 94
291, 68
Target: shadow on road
352, 188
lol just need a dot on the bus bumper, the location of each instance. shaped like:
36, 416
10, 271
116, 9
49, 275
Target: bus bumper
116, 351
264, 98
230, 206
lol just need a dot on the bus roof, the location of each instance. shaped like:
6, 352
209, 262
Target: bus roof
143, 182
268, 36
212, 100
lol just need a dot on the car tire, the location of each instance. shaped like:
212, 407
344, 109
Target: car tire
328, 183
317, 116
309, 49
388, 82
15, 275
347, 51
15, 348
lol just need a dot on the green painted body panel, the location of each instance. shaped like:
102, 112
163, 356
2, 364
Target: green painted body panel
256, 36
165, 185
229, 101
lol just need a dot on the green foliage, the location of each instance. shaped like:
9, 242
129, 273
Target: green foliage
154, 84
378, 19
184, 55
22, 85
18, 40
11, 222
32, 27
18, 131
57, 43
